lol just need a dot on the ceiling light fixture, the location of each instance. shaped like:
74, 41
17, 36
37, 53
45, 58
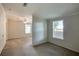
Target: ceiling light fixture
25, 4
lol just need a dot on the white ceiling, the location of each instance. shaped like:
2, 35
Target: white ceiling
43, 10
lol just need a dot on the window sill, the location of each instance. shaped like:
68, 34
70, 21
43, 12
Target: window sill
59, 38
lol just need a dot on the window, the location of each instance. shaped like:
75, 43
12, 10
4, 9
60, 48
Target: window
28, 24
28, 27
58, 29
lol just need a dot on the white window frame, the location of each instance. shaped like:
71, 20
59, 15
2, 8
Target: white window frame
56, 32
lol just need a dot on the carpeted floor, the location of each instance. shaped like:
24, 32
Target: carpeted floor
23, 47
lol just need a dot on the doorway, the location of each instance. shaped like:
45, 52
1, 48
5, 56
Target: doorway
28, 28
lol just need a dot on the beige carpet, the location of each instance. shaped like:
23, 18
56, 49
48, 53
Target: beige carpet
23, 47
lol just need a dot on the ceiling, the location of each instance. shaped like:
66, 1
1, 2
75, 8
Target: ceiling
43, 10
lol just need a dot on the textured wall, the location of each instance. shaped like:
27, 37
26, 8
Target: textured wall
71, 33
15, 29
2, 28
39, 31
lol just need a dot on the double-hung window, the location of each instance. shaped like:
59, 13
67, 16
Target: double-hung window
58, 29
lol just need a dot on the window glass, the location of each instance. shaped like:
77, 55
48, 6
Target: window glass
58, 29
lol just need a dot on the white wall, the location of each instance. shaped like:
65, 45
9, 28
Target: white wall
71, 33
15, 29
3, 34
38, 31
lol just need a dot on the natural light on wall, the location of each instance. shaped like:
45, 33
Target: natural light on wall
58, 29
